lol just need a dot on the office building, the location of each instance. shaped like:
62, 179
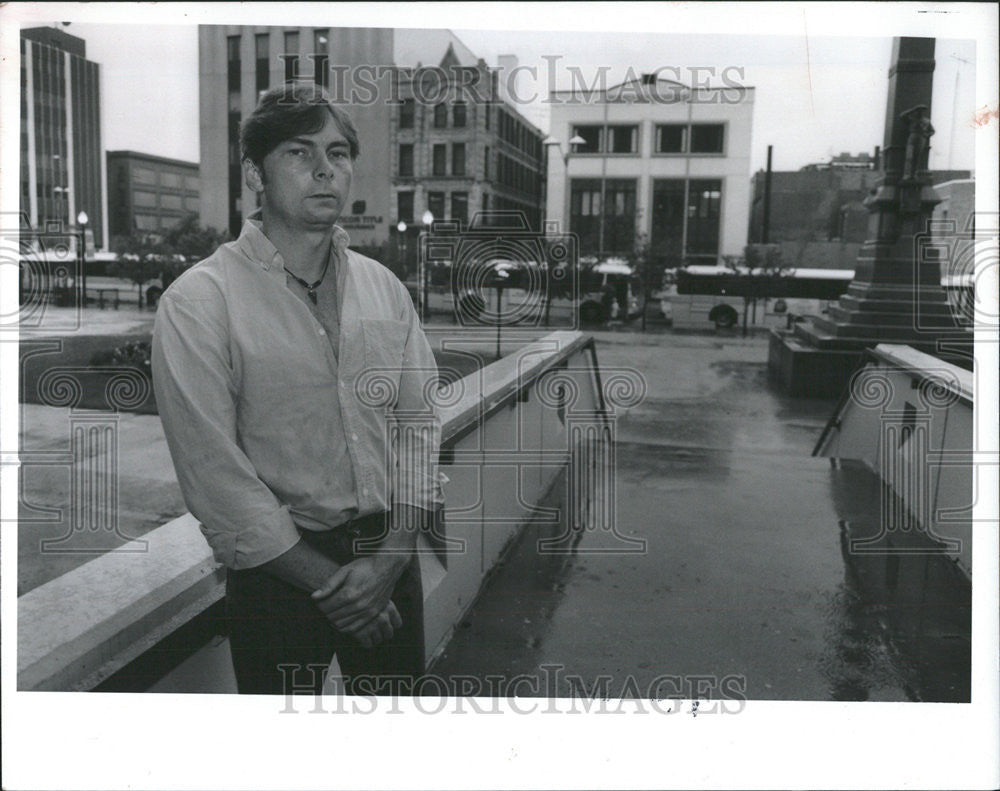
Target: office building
458, 150
237, 63
62, 172
149, 194
652, 159
451, 155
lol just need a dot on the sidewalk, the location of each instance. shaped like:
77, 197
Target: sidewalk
51, 321
146, 489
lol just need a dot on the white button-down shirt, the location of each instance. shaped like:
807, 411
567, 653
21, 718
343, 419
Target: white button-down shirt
257, 408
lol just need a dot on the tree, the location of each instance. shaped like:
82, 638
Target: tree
760, 268
650, 274
141, 258
144, 256
189, 239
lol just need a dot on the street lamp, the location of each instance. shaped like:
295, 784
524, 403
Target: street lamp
428, 220
499, 277
574, 141
401, 243
82, 219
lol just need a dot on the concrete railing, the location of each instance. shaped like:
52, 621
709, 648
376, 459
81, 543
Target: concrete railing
504, 440
909, 416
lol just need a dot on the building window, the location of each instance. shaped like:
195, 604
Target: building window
704, 210
440, 116
406, 114
670, 138
435, 204
610, 230
233, 63
698, 225
143, 176
668, 220
440, 159
406, 159
460, 207
619, 215
262, 47
172, 202
623, 139
404, 206
486, 163
321, 58
143, 198
592, 139
707, 138
458, 159
704, 138
291, 57
458, 115
486, 116
584, 212
486, 201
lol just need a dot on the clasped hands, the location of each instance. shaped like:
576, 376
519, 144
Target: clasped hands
356, 598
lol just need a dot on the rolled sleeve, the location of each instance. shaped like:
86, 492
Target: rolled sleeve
242, 520
417, 481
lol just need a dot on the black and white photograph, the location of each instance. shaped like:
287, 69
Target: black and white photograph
556, 395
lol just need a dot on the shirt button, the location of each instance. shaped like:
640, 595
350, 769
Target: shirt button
321, 332
365, 491
354, 436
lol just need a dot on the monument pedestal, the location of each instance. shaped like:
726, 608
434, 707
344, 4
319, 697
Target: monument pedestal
802, 369
896, 295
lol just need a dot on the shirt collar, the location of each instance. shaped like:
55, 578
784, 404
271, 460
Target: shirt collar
258, 248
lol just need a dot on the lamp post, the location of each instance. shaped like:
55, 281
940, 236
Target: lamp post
428, 220
82, 220
500, 276
574, 142
401, 242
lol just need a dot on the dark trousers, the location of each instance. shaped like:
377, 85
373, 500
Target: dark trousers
282, 644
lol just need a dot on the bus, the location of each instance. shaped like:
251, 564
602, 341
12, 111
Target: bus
695, 296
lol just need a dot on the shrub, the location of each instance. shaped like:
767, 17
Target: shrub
134, 354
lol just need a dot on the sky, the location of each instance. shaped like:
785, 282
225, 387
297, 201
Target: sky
816, 95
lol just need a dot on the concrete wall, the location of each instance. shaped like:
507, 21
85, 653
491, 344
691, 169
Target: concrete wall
909, 417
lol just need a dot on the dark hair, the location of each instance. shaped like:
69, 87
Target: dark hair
289, 110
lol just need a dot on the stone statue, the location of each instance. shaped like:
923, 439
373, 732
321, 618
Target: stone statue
917, 141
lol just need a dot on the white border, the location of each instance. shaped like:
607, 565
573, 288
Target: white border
55, 740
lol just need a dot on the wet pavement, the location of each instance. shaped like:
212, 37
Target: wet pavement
746, 585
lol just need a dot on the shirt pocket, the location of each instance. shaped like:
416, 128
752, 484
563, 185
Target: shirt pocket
385, 344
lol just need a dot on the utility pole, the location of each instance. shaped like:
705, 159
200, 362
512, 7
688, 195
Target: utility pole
765, 235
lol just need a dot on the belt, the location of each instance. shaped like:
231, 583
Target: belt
367, 526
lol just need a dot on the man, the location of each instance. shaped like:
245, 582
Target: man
282, 365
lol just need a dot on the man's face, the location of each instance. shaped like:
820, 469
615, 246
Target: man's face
306, 179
